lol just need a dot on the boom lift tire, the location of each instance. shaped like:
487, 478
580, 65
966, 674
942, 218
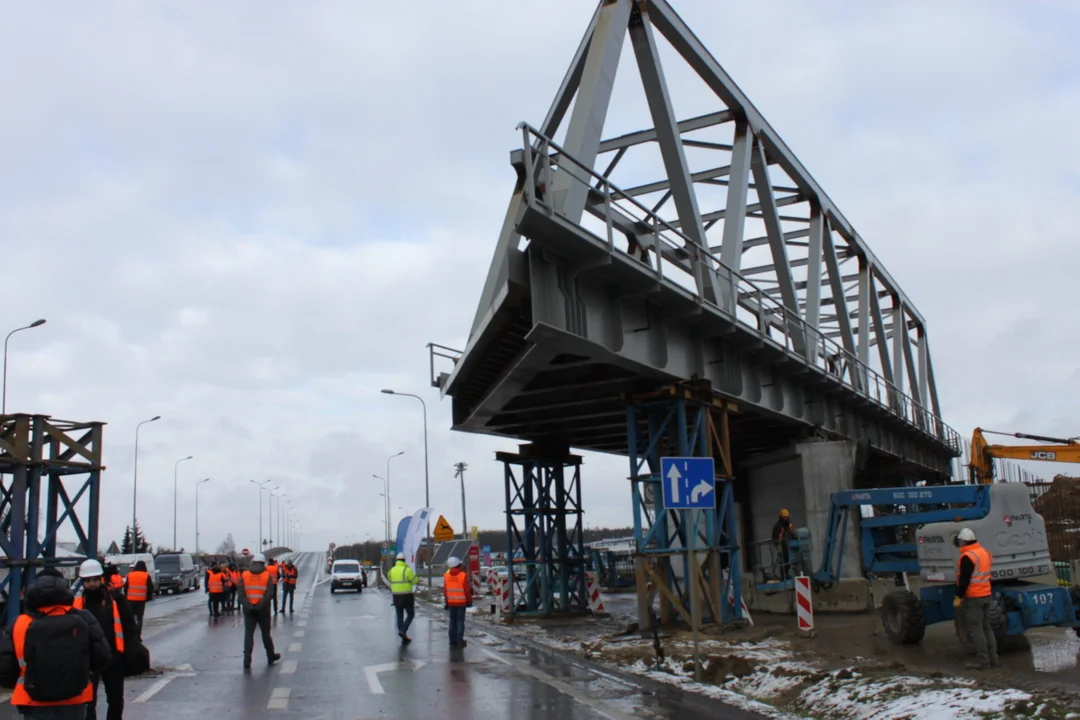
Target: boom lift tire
902, 616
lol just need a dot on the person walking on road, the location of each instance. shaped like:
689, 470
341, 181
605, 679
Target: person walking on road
256, 589
457, 594
140, 588
974, 598
215, 586
288, 585
402, 580
275, 573
50, 670
114, 615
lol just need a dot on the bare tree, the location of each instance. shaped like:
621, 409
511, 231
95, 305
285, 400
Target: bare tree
228, 546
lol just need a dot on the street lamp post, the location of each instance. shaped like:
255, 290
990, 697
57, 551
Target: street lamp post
386, 489
427, 483
175, 479
278, 516
388, 537
197, 514
135, 482
270, 515
261, 486
460, 469
36, 323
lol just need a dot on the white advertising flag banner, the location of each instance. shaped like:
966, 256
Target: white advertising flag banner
415, 535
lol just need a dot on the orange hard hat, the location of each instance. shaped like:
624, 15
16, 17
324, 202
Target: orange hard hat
784, 513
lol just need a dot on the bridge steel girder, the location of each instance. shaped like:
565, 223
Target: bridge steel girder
45, 465
574, 308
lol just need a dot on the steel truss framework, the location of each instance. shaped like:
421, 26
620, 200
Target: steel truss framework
733, 230
544, 532
49, 465
691, 557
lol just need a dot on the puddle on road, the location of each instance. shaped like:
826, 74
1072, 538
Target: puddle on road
1052, 653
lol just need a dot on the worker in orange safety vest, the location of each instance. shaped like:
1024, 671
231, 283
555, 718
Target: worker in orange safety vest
256, 586
974, 598
457, 593
50, 671
117, 621
140, 588
215, 586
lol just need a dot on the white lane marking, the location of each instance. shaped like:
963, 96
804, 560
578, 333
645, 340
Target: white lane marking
288, 667
302, 623
279, 699
298, 634
295, 647
182, 671
372, 672
573, 692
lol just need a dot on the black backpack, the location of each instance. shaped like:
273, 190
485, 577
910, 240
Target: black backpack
57, 654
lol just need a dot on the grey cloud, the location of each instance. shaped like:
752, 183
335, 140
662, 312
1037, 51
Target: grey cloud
250, 222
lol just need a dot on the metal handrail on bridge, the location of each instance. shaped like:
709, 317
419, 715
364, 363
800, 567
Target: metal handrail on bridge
767, 316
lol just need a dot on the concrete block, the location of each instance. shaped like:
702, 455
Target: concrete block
851, 595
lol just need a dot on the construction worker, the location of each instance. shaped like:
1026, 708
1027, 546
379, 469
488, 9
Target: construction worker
140, 588
974, 597
256, 589
234, 587
113, 613
275, 574
206, 587
288, 586
781, 533
457, 595
215, 587
54, 678
402, 579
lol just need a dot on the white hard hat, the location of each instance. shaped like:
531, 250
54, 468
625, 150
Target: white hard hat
400, 556
91, 569
966, 535
453, 562
258, 557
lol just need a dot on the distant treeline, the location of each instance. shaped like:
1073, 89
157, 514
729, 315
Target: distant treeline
371, 551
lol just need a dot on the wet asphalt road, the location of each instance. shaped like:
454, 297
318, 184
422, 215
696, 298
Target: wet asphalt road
342, 660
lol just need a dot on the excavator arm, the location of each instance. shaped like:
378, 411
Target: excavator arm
983, 453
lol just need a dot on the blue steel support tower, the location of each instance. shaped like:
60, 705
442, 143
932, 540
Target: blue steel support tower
52, 462
683, 420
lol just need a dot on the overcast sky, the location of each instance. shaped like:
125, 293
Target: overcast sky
249, 218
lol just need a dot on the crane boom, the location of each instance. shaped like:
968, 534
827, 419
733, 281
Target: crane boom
983, 453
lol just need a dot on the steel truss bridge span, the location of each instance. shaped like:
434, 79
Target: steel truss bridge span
742, 273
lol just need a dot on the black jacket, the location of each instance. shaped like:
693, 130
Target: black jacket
963, 579
44, 592
103, 613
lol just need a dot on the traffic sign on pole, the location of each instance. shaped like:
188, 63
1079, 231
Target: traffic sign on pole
689, 483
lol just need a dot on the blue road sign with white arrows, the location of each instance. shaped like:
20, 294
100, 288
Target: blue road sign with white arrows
689, 482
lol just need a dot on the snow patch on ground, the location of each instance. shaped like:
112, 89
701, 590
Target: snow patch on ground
770, 678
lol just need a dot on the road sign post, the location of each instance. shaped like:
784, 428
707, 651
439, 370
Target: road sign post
689, 483
443, 531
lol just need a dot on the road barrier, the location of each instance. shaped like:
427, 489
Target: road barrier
804, 603
592, 588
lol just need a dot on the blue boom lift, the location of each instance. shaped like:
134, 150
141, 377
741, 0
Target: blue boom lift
912, 531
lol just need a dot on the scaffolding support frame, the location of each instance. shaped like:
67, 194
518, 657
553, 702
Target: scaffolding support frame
544, 532
40, 459
691, 558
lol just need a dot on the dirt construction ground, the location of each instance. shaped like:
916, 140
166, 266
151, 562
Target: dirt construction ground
847, 669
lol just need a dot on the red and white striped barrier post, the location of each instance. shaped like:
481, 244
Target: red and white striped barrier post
592, 589
474, 579
804, 603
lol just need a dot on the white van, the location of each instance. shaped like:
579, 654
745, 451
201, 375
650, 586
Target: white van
124, 563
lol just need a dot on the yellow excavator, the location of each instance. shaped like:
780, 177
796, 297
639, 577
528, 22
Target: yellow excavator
983, 453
